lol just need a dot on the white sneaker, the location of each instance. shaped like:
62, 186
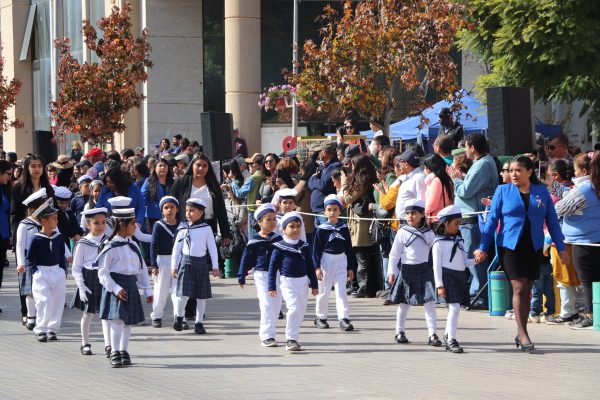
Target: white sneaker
534, 319
548, 319
509, 314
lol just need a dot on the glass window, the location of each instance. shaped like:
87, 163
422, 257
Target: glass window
72, 20
213, 14
41, 67
97, 11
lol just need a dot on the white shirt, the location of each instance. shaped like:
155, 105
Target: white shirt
122, 260
204, 194
416, 252
84, 256
441, 253
413, 186
201, 239
25, 233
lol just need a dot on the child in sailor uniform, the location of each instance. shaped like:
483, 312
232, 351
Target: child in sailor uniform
161, 249
85, 273
450, 261
256, 256
194, 239
46, 261
334, 261
121, 270
291, 258
286, 202
410, 272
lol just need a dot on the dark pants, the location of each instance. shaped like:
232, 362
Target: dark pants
368, 272
586, 259
544, 286
4, 243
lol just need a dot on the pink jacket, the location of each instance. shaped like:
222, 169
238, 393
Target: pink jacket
436, 197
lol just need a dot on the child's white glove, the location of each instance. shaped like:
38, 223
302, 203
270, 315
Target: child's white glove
83, 291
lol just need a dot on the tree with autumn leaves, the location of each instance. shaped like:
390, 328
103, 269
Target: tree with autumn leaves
93, 98
8, 97
377, 53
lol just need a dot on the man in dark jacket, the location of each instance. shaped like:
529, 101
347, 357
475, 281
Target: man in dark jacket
450, 128
320, 183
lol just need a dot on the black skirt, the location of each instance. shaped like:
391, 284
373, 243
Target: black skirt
523, 261
92, 305
192, 278
130, 311
414, 285
455, 284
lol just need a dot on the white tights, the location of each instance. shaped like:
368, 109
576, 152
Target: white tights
430, 317
180, 302
31, 310
119, 335
452, 321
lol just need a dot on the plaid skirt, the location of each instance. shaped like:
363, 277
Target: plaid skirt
26, 281
130, 311
92, 306
192, 278
455, 283
414, 285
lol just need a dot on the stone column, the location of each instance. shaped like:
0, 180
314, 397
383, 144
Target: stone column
242, 68
13, 18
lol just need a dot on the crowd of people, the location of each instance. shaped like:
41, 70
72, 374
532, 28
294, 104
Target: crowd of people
370, 221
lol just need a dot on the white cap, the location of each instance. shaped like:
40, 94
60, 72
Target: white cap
194, 201
289, 217
84, 178
39, 194
332, 199
95, 183
47, 208
119, 202
92, 212
168, 199
263, 210
414, 205
448, 213
123, 213
287, 193
62, 193
183, 157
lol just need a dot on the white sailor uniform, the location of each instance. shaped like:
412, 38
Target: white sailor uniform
25, 231
161, 248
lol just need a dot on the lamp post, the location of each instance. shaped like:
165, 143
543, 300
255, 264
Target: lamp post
295, 67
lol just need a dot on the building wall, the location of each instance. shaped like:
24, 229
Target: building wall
174, 87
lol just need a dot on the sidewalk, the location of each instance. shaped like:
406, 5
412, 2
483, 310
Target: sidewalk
229, 362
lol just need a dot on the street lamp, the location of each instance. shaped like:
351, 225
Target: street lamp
295, 67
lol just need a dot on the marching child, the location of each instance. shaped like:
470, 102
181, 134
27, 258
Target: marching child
285, 200
292, 260
67, 224
46, 261
121, 269
95, 189
334, 260
410, 272
449, 263
27, 228
82, 197
85, 273
257, 255
161, 248
194, 239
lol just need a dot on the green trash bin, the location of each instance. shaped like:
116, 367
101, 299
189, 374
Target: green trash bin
499, 293
231, 268
596, 305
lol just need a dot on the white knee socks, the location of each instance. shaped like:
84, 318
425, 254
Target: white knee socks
106, 331
430, 317
401, 317
116, 331
31, 311
125, 337
452, 321
200, 310
86, 321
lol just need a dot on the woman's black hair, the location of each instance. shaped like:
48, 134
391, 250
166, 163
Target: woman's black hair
264, 169
142, 169
5, 166
25, 179
117, 223
528, 164
210, 178
233, 167
285, 177
199, 207
562, 167
153, 179
119, 180
166, 140
436, 164
363, 175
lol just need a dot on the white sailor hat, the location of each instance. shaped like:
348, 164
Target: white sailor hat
92, 212
62, 193
37, 195
287, 193
263, 210
196, 202
96, 182
123, 213
84, 178
47, 208
168, 199
119, 202
289, 217
449, 213
414, 205
332, 199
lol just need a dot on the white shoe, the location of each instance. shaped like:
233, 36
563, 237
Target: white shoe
509, 314
534, 319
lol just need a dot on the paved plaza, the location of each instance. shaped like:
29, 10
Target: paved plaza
229, 363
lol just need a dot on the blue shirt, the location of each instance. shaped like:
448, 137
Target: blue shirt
322, 185
151, 204
332, 239
163, 240
291, 260
4, 216
77, 205
47, 251
480, 182
137, 201
257, 255
584, 228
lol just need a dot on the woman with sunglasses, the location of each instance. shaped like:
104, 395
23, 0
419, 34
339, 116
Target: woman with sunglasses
268, 187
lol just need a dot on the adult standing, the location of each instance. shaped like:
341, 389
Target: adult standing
116, 183
267, 188
164, 148
95, 157
480, 182
241, 148
413, 186
5, 195
581, 211
449, 127
320, 183
176, 149
440, 190
558, 147
522, 208
249, 189
76, 151
155, 187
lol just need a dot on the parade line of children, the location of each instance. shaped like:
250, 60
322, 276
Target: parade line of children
109, 269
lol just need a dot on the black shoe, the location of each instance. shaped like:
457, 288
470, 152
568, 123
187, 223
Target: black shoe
30, 325
178, 324
157, 323
115, 359
199, 328
292, 345
453, 347
280, 315
434, 341
560, 320
185, 326
125, 359
401, 338
52, 336
270, 342
345, 325
42, 337
321, 323
6, 263
86, 349
107, 351
527, 348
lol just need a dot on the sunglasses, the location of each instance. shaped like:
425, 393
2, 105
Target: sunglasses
550, 146
269, 161
349, 127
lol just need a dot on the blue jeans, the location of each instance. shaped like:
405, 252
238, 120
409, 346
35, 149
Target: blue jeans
544, 286
471, 236
251, 231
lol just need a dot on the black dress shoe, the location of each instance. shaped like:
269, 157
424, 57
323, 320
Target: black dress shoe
280, 315
199, 328
115, 359
125, 359
434, 341
157, 323
178, 324
86, 349
107, 351
321, 323
453, 347
185, 326
30, 325
345, 325
401, 338
52, 336
42, 337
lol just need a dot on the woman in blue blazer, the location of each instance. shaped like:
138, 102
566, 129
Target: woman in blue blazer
116, 183
521, 207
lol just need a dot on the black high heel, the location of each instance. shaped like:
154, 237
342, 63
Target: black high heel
527, 348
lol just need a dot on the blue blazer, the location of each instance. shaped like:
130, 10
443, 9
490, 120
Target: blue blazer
508, 209
152, 209
137, 201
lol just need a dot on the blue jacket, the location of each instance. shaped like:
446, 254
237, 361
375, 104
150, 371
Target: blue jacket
291, 260
48, 251
583, 228
322, 185
332, 239
257, 255
152, 209
137, 201
508, 209
163, 240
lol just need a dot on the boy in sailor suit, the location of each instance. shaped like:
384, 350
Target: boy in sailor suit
188, 264
291, 258
67, 223
449, 264
46, 262
256, 256
85, 273
334, 261
287, 203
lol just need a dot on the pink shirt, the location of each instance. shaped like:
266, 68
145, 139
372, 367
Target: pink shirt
436, 197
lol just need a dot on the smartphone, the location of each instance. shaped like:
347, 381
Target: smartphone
542, 168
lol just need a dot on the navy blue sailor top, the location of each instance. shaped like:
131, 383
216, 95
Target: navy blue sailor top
163, 240
332, 239
291, 260
257, 255
46, 251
